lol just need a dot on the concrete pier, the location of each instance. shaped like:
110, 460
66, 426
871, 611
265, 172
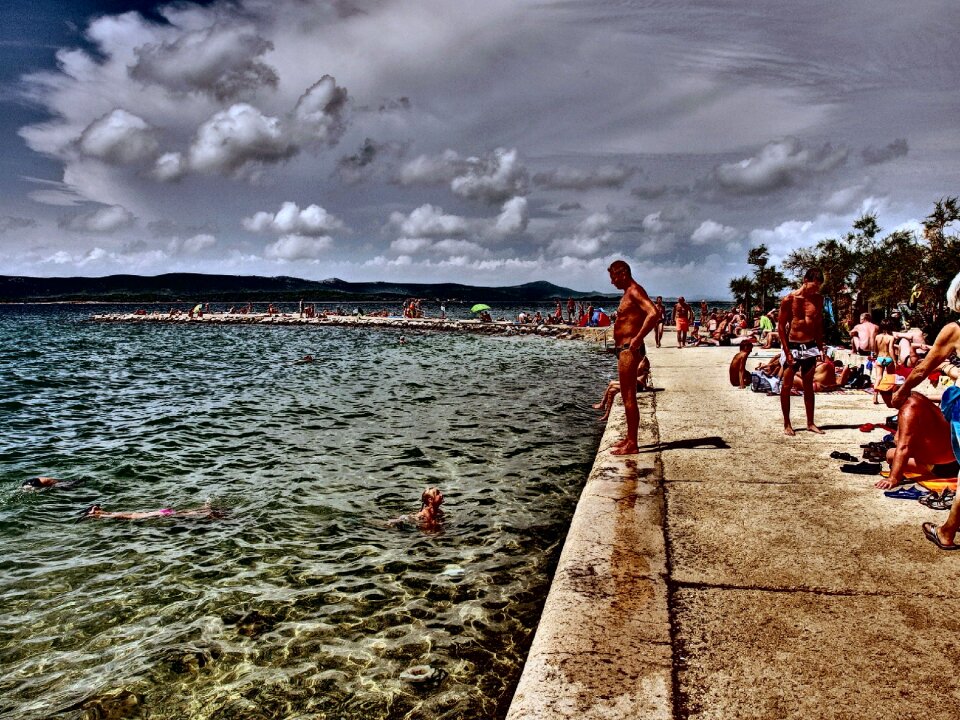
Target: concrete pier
729, 571
595, 334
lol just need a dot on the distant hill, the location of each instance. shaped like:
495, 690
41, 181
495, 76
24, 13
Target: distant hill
195, 287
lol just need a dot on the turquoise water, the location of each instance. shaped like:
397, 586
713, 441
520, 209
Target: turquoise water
301, 602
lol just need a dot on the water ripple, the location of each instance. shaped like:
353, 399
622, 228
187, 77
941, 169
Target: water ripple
301, 602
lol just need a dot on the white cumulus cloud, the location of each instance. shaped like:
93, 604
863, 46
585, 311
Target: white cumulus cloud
709, 232
492, 179
298, 247
513, 217
102, 221
777, 165
235, 137
429, 221
120, 137
312, 221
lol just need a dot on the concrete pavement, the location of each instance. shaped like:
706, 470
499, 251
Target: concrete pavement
792, 590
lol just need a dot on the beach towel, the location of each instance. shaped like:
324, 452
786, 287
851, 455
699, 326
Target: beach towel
937, 485
950, 407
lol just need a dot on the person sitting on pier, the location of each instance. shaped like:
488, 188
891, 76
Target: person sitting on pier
922, 437
95, 512
613, 388
739, 376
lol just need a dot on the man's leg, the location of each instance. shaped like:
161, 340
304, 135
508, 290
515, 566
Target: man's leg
948, 531
809, 397
786, 385
627, 369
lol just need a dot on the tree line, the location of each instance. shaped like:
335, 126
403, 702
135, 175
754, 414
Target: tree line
868, 271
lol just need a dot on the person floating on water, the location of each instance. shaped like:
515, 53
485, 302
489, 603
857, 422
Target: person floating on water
636, 317
95, 512
430, 516
44, 483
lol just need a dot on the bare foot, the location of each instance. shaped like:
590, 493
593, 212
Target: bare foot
814, 429
597, 406
884, 483
604, 416
788, 430
626, 449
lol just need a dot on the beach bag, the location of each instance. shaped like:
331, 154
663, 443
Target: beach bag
760, 383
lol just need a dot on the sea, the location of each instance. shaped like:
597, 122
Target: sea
301, 601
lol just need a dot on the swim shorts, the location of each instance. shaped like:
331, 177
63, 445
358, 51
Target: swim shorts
683, 324
946, 470
640, 353
805, 356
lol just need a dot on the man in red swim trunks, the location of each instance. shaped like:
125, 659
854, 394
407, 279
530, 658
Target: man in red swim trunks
681, 318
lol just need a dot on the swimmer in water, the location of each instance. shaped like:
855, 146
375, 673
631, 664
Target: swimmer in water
430, 516
44, 483
95, 512
303, 360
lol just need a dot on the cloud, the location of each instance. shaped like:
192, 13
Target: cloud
588, 239
236, 137
363, 165
298, 247
429, 221
492, 179
192, 245
169, 167
653, 223
432, 169
103, 221
875, 156
778, 165
219, 61
710, 232
513, 217
569, 205
605, 176
120, 138
312, 221
318, 114
12, 222
408, 246
453, 247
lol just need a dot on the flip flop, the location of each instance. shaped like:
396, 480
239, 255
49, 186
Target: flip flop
910, 493
863, 468
930, 533
837, 455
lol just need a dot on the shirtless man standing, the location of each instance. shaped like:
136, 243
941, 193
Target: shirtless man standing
801, 336
681, 318
636, 316
661, 318
863, 337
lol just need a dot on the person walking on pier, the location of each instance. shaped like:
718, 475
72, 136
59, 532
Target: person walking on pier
636, 317
681, 318
661, 320
801, 337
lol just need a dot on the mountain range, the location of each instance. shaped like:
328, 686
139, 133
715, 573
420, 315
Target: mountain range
195, 287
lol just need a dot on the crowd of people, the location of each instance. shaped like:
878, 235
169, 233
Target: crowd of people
924, 439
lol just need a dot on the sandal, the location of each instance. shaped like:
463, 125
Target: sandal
904, 493
930, 532
837, 455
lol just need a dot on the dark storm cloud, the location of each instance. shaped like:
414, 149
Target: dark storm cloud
369, 162
606, 176
222, 62
876, 156
12, 222
777, 165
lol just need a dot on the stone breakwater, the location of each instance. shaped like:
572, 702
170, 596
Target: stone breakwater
563, 332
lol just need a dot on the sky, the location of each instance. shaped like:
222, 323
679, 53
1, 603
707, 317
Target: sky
488, 143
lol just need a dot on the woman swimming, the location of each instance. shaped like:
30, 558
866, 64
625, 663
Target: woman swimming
96, 512
45, 483
430, 516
